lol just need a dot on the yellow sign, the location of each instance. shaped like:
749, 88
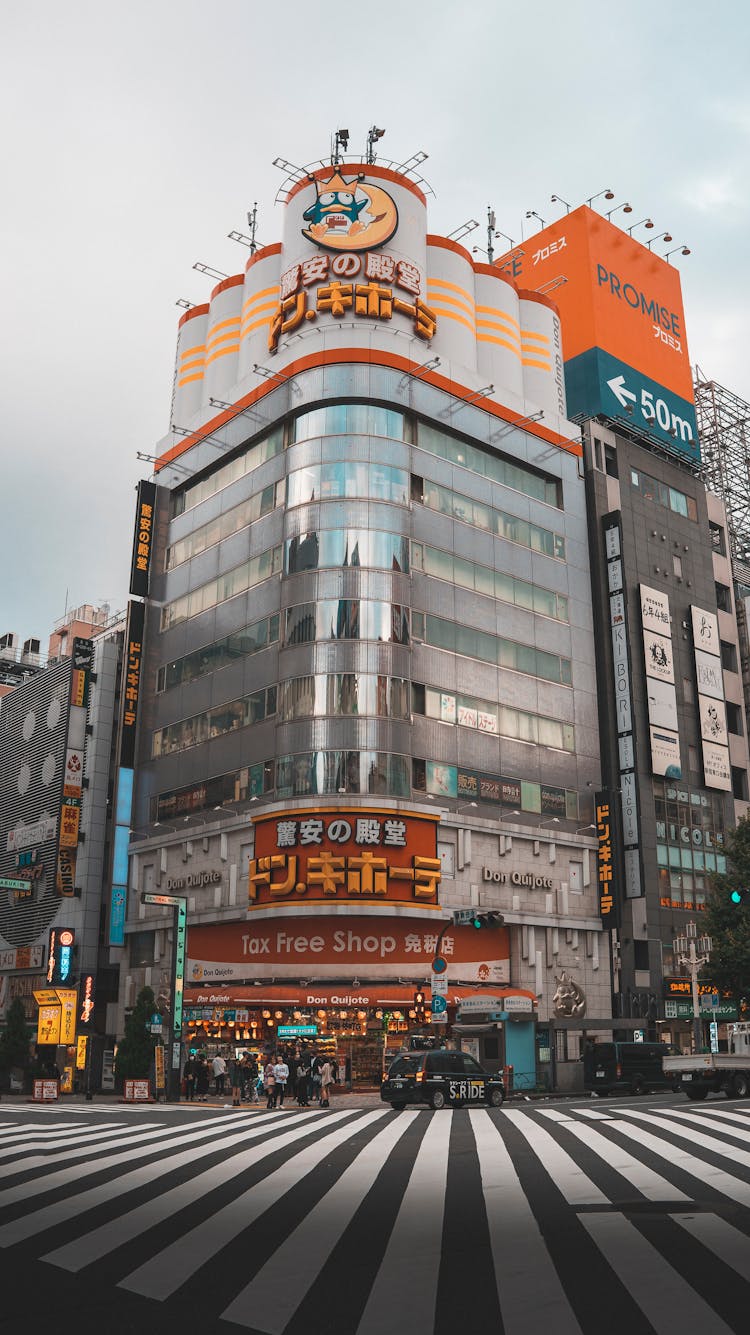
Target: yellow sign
48, 1024
66, 1080
159, 1066
81, 1052
68, 999
70, 817
47, 997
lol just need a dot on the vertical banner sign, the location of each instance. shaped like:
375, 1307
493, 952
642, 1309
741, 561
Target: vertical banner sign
86, 999
178, 902
70, 811
143, 539
618, 620
658, 654
159, 1066
605, 860
131, 682
717, 770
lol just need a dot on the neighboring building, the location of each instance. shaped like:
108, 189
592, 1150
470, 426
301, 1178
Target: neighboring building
56, 776
673, 727
369, 692
17, 664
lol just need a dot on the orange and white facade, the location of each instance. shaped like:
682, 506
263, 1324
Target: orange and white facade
370, 683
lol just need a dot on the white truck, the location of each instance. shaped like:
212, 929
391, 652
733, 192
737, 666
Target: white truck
720, 1072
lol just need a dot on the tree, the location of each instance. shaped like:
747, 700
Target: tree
134, 1052
728, 923
15, 1038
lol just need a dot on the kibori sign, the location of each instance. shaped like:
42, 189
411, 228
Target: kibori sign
525, 880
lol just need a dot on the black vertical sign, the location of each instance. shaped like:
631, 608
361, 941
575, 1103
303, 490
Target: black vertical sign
131, 682
143, 538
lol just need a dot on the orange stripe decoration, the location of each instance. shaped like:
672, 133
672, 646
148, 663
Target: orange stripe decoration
500, 315
222, 338
188, 379
442, 298
503, 342
222, 352
191, 366
501, 327
367, 357
258, 296
531, 361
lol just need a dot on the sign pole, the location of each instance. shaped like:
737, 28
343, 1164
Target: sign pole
179, 904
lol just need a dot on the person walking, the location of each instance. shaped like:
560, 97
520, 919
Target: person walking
281, 1075
249, 1078
188, 1074
219, 1068
316, 1063
326, 1082
303, 1081
201, 1080
236, 1071
269, 1082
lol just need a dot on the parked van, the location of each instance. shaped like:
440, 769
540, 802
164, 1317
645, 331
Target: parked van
633, 1067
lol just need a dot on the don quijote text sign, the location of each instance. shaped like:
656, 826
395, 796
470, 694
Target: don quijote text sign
315, 857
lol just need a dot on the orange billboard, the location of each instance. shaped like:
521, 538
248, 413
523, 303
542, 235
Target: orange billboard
623, 324
335, 856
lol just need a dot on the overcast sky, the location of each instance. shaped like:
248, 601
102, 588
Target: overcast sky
136, 136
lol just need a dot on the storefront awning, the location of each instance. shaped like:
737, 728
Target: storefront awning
329, 994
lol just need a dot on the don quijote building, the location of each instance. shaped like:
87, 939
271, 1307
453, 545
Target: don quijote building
368, 695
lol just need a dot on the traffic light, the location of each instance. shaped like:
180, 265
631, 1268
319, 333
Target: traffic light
738, 897
419, 1005
477, 918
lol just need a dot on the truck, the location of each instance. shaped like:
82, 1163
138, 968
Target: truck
701, 1073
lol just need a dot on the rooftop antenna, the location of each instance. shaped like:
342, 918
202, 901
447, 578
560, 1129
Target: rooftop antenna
373, 134
339, 146
250, 240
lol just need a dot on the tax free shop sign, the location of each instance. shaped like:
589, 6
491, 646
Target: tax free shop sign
623, 325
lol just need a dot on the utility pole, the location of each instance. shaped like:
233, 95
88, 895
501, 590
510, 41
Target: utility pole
693, 952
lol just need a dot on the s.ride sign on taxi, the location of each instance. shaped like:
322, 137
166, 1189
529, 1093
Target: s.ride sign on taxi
623, 326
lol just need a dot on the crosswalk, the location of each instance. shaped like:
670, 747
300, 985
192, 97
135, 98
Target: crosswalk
361, 1221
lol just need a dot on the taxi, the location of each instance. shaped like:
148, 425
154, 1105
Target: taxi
442, 1079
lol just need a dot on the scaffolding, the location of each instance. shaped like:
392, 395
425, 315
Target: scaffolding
724, 434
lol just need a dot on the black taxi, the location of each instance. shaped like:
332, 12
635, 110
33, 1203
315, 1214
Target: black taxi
441, 1079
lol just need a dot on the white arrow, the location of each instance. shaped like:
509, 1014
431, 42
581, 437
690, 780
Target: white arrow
620, 392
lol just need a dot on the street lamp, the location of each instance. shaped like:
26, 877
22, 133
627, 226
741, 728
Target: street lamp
608, 194
645, 222
693, 952
666, 236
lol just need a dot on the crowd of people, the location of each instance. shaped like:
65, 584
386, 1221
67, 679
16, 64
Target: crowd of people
303, 1076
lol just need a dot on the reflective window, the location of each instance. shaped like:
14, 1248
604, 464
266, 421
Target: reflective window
215, 722
344, 693
224, 525
346, 478
221, 477
521, 531
464, 640
219, 654
482, 579
509, 472
347, 771
366, 419
346, 547
346, 619
672, 499
220, 790
235, 581
488, 716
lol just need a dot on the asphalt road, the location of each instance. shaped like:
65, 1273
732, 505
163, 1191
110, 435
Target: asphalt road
570, 1217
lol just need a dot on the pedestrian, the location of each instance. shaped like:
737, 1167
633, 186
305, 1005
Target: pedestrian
303, 1081
188, 1075
201, 1079
219, 1068
269, 1082
326, 1082
236, 1073
249, 1078
281, 1075
315, 1064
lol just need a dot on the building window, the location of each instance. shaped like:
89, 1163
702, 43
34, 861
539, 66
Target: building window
215, 722
343, 772
346, 619
497, 468
677, 566
220, 654
489, 717
651, 489
485, 517
718, 538
241, 516
141, 946
739, 784
469, 643
347, 478
728, 656
227, 586
734, 719
688, 691
356, 419
723, 597
495, 584
344, 693
246, 462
